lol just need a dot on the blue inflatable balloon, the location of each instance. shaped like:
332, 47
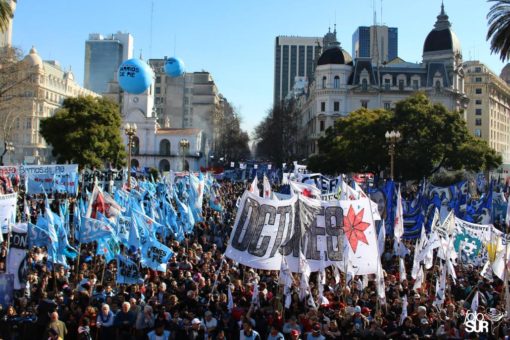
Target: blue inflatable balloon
174, 67
135, 76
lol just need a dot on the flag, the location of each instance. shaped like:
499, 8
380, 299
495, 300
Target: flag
474, 303
381, 238
267, 188
155, 255
230, 303
402, 270
92, 230
305, 190
399, 218
214, 201
379, 279
304, 268
254, 186
403, 316
37, 237
108, 247
104, 203
285, 278
127, 271
419, 279
255, 295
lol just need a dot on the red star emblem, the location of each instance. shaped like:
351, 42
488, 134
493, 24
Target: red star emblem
307, 193
354, 228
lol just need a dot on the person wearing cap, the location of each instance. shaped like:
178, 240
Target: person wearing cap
359, 320
196, 331
315, 334
248, 333
290, 325
294, 335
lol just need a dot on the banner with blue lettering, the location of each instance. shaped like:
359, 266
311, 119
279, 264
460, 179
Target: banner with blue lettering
50, 178
7, 211
155, 255
127, 271
92, 230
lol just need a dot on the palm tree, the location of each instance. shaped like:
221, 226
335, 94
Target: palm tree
6, 14
499, 28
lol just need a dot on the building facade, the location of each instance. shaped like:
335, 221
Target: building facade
378, 42
342, 85
103, 56
39, 97
294, 57
159, 146
488, 112
189, 101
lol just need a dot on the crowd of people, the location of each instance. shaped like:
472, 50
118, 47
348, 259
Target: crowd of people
204, 295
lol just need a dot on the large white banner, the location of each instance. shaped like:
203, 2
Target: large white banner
325, 232
7, 211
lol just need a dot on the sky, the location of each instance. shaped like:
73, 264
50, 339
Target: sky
234, 39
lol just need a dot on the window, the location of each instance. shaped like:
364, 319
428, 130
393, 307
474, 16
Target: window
336, 106
364, 104
478, 102
323, 106
336, 82
28, 123
478, 91
364, 84
478, 112
135, 147
387, 84
401, 84
478, 79
416, 84
158, 90
478, 133
164, 147
324, 82
158, 79
478, 121
387, 105
478, 69
322, 125
438, 85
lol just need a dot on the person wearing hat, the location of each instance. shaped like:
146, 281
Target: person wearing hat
294, 334
359, 320
315, 334
196, 331
290, 325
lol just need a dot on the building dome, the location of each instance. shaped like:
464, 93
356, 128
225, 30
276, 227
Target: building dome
442, 37
505, 73
334, 54
33, 58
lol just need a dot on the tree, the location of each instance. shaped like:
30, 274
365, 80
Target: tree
6, 14
233, 141
433, 138
86, 131
499, 28
277, 134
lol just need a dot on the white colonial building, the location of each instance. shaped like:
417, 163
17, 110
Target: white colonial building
342, 85
160, 147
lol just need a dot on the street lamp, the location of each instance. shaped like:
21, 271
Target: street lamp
392, 138
130, 130
184, 144
8, 147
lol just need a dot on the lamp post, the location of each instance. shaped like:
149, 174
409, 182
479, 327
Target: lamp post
8, 147
130, 130
392, 138
184, 144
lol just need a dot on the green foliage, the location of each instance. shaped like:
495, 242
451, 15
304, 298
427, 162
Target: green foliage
233, 141
499, 28
86, 131
153, 174
5, 14
433, 138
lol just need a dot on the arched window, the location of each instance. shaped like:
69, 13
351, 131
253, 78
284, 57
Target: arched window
164, 147
134, 163
135, 147
164, 165
364, 84
336, 82
324, 82
438, 85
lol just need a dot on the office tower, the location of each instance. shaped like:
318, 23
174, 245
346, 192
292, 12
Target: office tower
103, 55
294, 57
364, 43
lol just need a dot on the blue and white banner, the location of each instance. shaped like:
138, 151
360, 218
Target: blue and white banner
155, 255
127, 271
6, 289
50, 178
92, 230
7, 211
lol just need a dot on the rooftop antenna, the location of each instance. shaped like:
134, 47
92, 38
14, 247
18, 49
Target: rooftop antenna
381, 13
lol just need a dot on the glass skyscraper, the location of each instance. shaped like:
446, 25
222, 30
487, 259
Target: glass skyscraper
364, 45
103, 56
